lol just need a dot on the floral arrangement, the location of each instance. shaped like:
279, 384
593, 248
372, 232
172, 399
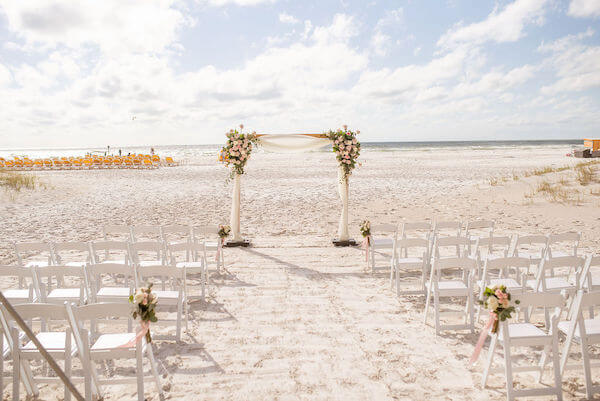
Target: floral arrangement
144, 301
365, 228
237, 150
346, 148
224, 231
497, 301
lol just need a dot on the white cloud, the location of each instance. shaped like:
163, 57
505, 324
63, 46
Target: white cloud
288, 19
380, 43
584, 8
343, 28
506, 25
5, 76
575, 64
112, 25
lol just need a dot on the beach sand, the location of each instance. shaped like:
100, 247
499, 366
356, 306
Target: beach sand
292, 317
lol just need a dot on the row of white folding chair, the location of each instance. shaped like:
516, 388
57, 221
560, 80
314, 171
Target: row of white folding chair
88, 284
169, 233
88, 344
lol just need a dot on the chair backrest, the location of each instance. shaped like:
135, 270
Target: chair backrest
461, 245
199, 233
419, 228
25, 250
591, 261
110, 248
569, 237
42, 311
448, 227
564, 266
484, 227
146, 232
168, 274
190, 251
54, 277
528, 301
511, 267
19, 273
492, 245
72, 247
120, 230
384, 228
178, 231
138, 251
464, 264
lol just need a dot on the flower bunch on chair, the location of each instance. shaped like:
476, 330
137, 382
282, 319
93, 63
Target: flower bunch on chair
365, 228
497, 301
237, 150
144, 303
346, 148
224, 231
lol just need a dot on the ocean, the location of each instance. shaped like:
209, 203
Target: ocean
190, 152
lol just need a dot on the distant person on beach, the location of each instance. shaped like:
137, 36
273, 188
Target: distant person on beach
151, 151
119, 152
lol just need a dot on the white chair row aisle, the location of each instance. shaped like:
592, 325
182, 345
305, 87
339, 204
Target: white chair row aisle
70, 332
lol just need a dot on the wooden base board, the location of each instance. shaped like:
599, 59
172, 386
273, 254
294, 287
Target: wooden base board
348, 242
232, 244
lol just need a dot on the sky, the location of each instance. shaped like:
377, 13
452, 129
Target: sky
158, 72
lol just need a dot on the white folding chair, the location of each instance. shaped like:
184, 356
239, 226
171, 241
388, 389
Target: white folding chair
532, 247
60, 284
176, 233
34, 254
209, 235
510, 272
493, 247
8, 337
455, 247
192, 256
146, 233
120, 231
447, 228
417, 229
586, 333
590, 277
72, 253
171, 294
105, 283
95, 345
526, 334
451, 277
411, 254
59, 343
113, 252
19, 286
384, 242
147, 253
479, 228
556, 274
567, 240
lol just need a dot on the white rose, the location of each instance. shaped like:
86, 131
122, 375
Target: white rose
492, 303
139, 297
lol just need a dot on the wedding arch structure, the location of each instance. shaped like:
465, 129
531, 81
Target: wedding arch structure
237, 152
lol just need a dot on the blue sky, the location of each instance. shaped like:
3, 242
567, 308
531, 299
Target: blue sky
117, 72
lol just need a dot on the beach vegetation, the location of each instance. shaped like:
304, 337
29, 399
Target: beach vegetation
15, 181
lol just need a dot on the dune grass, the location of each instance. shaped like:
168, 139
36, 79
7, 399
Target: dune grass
15, 181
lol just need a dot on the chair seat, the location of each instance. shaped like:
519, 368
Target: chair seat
52, 341
189, 265
75, 263
451, 288
32, 263
114, 292
166, 295
561, 254
64, 293
111, 341
150, 263
16, 294
409, 261
382, 243
592, 327
524, 330
552, 284
534, 256
509, 283
212, 246
113, 261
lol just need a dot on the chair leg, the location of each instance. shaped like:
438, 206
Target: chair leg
471, 312
397, 281
427, 300
490, 359
150, 355
436, 309
16, 363
68, 367
392, 276
586, 368
543, 361
178, 324
556, 368
372, 260
508, 372
140, 371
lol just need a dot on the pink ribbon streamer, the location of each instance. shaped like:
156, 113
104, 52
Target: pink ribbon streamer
482, 337
144, 327
219, 249
365, 245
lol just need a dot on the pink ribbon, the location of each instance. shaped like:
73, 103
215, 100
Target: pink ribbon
144, 328
365, 245
219, 249
482, 337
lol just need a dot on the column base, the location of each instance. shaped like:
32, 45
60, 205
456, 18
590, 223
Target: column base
348, 242
232, 244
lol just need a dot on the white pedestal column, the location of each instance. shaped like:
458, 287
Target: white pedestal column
343, 234
235, 210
